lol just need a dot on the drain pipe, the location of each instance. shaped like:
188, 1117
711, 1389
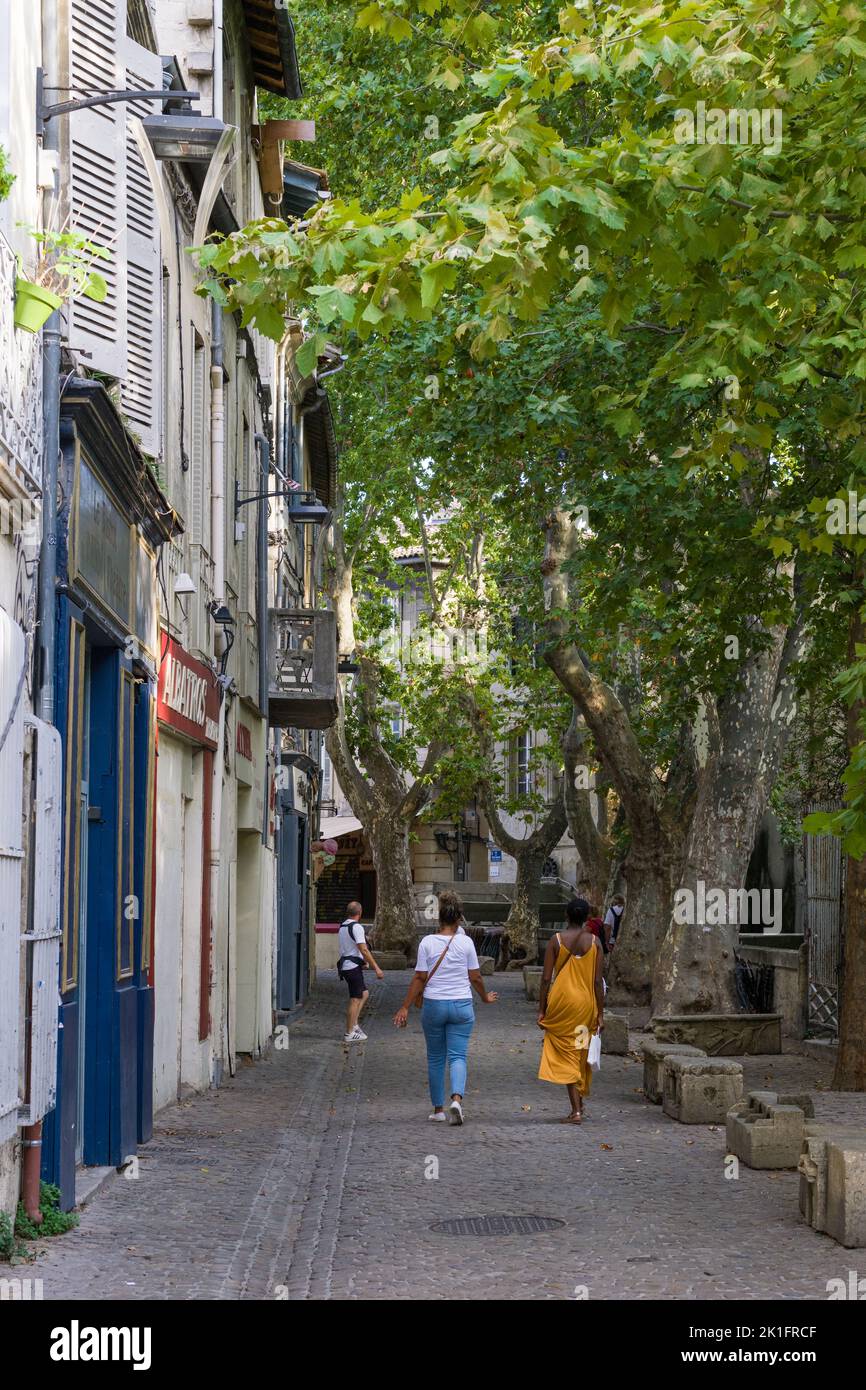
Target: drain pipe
218, 526
262, 605
46, 627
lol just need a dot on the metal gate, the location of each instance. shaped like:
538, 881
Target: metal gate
824, 924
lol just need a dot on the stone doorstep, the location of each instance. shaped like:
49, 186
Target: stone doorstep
89, 1182
765, 1131
654, 1053
723, 1035
700, 1090
812, 1166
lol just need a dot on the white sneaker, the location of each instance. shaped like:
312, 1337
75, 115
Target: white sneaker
360, 1035
439, 1116
355, 1036
455, 1113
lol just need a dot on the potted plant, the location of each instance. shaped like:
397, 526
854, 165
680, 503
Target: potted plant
65, 268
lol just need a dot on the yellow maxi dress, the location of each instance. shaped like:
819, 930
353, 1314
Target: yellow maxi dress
571, 1008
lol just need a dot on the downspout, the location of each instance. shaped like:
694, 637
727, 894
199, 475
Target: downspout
262, 604
46, 627
218, 526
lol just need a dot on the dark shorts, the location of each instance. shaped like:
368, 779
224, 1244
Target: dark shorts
354, 978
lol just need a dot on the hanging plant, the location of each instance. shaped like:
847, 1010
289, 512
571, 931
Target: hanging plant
6, 179
66, 267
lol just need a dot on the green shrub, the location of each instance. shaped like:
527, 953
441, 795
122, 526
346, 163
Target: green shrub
54, 1221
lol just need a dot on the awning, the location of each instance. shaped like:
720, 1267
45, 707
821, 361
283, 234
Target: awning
334, 826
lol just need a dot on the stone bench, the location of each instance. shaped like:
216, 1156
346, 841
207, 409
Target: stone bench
814, 1167
766, 1130
614, 1034
700, 1090
723, 1035
654, 1053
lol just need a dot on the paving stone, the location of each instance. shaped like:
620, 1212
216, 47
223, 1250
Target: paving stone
314, 1180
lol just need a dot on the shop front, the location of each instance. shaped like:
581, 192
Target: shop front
188, 709
109, 528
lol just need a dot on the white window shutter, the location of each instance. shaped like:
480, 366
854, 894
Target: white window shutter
44, 942
142, 387
11, 856
97, 161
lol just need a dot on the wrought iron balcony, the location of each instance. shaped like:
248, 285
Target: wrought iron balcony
302, 666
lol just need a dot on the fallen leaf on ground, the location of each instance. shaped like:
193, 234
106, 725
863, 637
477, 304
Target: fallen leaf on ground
690, 1141
605, 1146
526, 1107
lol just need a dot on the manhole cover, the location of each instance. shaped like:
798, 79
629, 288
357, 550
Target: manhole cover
496, 1225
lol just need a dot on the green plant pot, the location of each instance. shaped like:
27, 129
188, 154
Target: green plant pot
33, 305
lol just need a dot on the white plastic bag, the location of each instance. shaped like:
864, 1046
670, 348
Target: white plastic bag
593, 1056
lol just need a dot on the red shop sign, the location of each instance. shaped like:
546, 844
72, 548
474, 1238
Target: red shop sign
188, 697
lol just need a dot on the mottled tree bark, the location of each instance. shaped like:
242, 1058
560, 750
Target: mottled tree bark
523, 919
648, 865
746, 735
592, 848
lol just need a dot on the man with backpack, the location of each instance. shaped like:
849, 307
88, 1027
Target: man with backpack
354, 951
613, 919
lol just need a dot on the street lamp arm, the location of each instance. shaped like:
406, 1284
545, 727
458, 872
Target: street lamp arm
62, 108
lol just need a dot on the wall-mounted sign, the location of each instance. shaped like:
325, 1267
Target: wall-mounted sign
188, 696
496, 856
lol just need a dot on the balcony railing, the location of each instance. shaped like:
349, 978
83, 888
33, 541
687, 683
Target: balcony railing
302, 665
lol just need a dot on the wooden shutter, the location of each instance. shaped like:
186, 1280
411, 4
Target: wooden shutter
12, 655
98, 168
142, 387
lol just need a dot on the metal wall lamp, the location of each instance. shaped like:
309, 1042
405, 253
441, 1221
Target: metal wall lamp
223, 618
305, 509
47, 112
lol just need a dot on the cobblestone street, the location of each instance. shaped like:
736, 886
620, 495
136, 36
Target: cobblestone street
305, 1177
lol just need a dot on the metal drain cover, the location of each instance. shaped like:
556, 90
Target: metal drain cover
496, 1225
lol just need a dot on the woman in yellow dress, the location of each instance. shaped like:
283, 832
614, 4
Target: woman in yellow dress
572, 1009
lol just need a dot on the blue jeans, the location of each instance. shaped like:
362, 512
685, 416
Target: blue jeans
447, 1025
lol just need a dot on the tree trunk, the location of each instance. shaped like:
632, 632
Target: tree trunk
396, 923
695, 966
850, 1074
592, 849
523, 919
647, 871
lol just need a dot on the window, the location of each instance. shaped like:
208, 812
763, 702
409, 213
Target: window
521, 756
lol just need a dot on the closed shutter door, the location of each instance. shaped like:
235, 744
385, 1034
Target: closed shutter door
98, 160
142, 389
11, 855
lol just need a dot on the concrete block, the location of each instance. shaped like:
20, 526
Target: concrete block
764, 1133
813, 1167
486, 964
654, 1053
723, 1035
390, 960
614, 1035
700, 1090
846, 1192
532, 981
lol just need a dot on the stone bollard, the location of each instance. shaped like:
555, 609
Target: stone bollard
654, 1053
532, 981
701, 1090
486, 964
763, 1132
813, 1167
846, 1192
614, 1035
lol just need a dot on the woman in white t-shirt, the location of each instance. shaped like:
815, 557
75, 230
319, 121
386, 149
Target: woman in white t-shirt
446, 972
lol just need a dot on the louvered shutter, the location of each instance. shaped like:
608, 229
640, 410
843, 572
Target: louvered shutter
142, 388
11, 856
98, 167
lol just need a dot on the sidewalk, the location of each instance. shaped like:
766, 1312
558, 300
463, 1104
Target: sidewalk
307, 1176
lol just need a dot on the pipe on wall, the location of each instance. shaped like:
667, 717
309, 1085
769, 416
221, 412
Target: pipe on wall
262, 609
